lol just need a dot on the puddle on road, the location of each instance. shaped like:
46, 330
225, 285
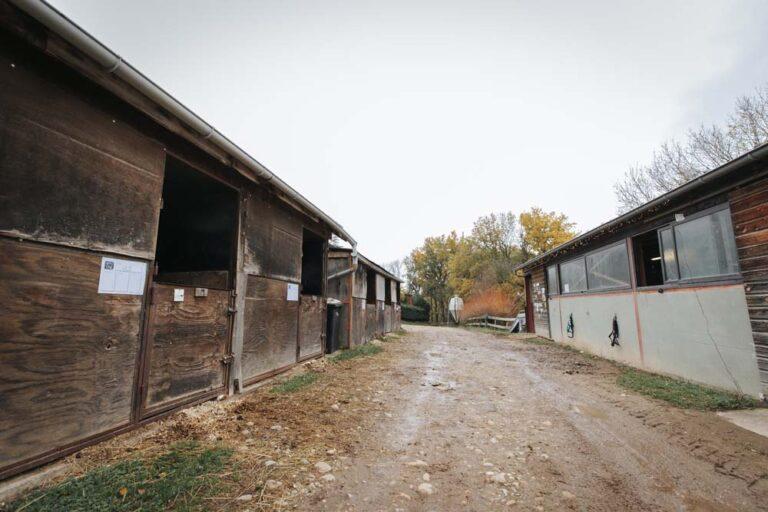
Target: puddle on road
588, 410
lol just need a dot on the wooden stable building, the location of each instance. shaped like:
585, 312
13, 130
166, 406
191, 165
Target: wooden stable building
677, 286
369, 297
146, 262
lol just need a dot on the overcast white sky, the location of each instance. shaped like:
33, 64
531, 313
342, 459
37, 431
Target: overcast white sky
404, 119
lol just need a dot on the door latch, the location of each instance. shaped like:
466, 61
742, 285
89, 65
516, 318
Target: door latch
231, 311
227, 359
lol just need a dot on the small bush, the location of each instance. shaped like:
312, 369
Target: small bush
177, 480
295, 383
414, 314
359, 351
682, 393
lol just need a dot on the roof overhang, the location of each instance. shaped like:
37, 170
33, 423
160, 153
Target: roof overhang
728, 171
203, 133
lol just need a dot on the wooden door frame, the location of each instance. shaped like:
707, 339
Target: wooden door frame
529, 322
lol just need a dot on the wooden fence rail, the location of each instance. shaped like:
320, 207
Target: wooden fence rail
494, 322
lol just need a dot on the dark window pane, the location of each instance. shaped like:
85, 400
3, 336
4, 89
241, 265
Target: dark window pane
552, 283
573, 276
669, 254
706, 246
608, 268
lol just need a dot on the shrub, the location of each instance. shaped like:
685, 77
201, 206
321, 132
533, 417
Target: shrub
414, 314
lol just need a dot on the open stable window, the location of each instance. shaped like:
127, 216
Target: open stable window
312, 263
387, 291
553, 284
608, 268
197, 232
647, 253
370, 293
573, 276
701, 247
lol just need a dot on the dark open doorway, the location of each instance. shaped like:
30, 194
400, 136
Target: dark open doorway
198, 224
312, 258
370, 294
648, 259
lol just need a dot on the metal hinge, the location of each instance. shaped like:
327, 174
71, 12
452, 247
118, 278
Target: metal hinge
231, 311
227, 359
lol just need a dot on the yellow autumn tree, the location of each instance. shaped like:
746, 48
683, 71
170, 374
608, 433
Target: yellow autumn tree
541, 231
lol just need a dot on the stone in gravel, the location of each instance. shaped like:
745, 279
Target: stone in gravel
568, 496
276, 427
546, 423
544, 456
498, 478
246, 432
336, 407
328, 478
270, 463
323, 467
405, 496
417, 463
273, 484
330, 452
425, 477
244, 497
425, 489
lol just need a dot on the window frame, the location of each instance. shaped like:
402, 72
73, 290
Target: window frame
680, 281
550, 293
629, 268
560, 275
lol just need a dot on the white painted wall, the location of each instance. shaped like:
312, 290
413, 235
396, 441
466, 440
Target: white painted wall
593, 318
684, 332
697, 324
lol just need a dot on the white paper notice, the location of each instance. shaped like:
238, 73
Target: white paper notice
566, 287
122, 277
293, 292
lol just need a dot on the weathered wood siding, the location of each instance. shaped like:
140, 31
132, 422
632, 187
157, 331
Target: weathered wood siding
311, 326
67, 353
370, 322
749, 214
380, 287
271, 327
186, 342
360, 290
273, 234
358, 322
540, 307
387, 318
339, 288
71, 172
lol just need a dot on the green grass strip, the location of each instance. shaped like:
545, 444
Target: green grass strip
368, 349
295, 383
176, 480
682, 393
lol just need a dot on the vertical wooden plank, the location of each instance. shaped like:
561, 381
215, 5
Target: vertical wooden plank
187, 341
67, 353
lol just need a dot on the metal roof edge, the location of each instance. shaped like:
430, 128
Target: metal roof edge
718, 172
112, 63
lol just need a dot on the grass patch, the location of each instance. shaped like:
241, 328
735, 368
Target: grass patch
295, 383
681, 393
368, 349
176, 480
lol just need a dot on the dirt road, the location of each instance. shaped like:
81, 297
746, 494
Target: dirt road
490, 423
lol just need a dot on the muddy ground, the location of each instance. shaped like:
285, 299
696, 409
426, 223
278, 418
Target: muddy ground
450, 419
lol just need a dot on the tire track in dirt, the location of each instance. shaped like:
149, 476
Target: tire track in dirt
500, 424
